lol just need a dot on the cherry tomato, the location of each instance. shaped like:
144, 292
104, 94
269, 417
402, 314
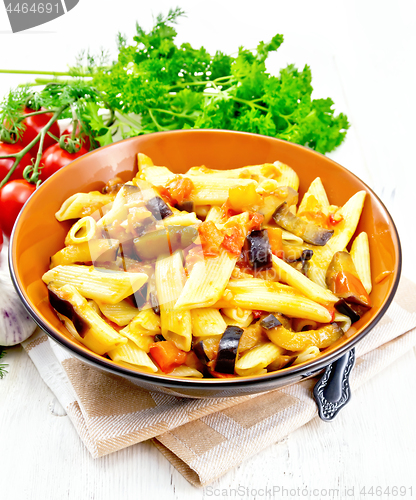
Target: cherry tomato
55, 158
12, 198
7, 163
1, 239
34, 124
85, 140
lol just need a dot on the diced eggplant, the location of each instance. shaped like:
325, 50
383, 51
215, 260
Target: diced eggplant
351, 310
159, 338
186, 206
65, 308
154, 302
269, 322
309, 232
259, 251
159, 208
343, 280
227, 349
182, 237
139, 298
199, 350
305, 258
152, 245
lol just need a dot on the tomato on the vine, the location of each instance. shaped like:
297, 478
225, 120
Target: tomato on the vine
55, 158
7, 163
12, 198
34, 124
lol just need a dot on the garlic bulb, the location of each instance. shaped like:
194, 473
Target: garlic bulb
15, 323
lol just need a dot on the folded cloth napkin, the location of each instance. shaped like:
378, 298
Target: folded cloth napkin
204, 438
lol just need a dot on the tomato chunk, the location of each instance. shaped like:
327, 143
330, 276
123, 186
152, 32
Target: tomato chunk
211, 238
181, 190
234, 239
167, 355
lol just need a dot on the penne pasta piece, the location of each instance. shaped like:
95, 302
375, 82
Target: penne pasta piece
143, 161
142, 338
288, 177
82, 231
306, 355
236, 313
181, 219
214, 215
242, 324
121, 313
343, 232
269, 296
133, 355
210, 190
104, 286
170, 278
100, 250
257, 358
207, 322
82, 204
185, 371
86, 324
147, 320
315, 196
207, 281
158, 176
360, 253
292, 277
290, 238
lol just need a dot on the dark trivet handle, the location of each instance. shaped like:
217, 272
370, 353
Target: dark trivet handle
332, 392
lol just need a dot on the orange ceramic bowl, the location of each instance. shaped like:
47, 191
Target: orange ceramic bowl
38, 235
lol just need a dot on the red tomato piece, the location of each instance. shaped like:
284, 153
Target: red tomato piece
55, 158
167, 355
12, 198
211, 238
234, 239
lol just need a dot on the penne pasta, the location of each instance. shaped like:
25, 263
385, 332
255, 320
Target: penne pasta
170, 277
291, 276
207, 322
273, 297
82, 204
343, 232
82, 231
85, 324
121, 313
202, 274
257, 358
131, 354
360, 253
105, 286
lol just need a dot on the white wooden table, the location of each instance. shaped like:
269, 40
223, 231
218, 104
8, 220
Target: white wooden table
362, 54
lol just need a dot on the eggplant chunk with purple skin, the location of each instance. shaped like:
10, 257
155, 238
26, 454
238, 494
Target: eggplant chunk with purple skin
227, 350
308, 231
259, 250
343, 280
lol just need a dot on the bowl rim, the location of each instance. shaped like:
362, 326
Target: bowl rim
286, 374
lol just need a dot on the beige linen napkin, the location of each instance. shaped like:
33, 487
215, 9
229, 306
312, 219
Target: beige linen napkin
204, 438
